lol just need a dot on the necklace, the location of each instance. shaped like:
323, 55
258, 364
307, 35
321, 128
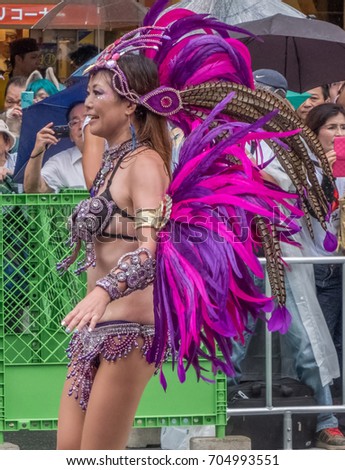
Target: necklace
109, 158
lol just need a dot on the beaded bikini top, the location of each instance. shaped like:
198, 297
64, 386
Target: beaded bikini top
91, 216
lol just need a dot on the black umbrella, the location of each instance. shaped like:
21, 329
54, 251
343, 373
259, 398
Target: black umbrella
308, 52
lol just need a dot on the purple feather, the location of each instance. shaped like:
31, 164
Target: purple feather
330, 242
153, 13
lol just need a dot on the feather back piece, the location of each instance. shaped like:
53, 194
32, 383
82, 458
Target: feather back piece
206, 252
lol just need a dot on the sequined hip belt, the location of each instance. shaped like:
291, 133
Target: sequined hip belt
111, 341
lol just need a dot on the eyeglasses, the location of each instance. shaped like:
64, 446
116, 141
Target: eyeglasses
75, 122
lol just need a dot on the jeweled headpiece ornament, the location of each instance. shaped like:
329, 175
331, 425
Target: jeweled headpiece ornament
164, 101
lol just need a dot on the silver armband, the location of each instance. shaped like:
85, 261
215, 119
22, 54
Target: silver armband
131, 273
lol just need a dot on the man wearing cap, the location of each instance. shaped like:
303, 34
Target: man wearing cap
7, 142
271, 80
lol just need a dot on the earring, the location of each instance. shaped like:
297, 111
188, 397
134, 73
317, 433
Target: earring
133, 134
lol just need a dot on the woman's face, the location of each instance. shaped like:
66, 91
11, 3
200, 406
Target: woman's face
109, 114
334, 126
41, 95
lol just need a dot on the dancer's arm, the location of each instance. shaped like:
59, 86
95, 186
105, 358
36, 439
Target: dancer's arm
92, 156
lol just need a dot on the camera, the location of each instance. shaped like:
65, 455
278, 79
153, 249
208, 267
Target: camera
61, 131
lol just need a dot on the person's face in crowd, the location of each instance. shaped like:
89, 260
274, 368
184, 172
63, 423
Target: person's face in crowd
76, 119
28, 63
315, 99
109, 113
334, 126
41, 95
334, 91
13, 97
4, 144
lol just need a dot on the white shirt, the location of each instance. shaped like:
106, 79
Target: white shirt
301, 277
64, 170
10, 163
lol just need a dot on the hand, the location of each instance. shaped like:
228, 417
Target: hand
14, 113
44, 138
87, 312
331, 157
4, 172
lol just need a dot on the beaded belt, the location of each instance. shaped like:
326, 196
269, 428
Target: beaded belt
111, 341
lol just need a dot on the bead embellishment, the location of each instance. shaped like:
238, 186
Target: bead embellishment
91, 216
88, 220
110, 157
111, 342
164, 101
131, 271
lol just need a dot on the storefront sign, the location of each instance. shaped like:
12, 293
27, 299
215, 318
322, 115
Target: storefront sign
14, 14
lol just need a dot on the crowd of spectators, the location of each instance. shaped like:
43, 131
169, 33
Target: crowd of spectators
63, 170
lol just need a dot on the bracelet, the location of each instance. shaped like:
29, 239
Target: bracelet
37, 154
130, 274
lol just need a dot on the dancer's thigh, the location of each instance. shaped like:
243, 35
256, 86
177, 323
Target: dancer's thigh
115, 396
70, 421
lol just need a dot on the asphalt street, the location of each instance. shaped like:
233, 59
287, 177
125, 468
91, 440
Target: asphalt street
32, 440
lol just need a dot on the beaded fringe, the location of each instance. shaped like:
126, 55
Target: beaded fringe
112, 342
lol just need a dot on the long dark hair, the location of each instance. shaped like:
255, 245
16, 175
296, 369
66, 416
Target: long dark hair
318, 116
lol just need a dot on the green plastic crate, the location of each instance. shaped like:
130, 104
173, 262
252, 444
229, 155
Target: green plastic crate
33, 300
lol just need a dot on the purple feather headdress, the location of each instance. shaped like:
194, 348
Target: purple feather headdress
170, 41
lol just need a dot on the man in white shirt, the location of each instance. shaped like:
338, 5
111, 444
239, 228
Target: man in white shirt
63, 170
